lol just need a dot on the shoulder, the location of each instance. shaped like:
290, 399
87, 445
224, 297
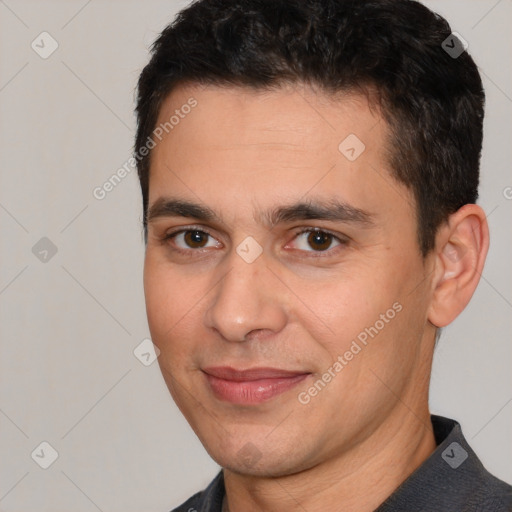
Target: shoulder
208, 500
469, 479
490, 494
452, 478
191, 505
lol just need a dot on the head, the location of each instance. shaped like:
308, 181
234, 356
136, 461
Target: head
308, 179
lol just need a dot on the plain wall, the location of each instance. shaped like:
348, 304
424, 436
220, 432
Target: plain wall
69, 325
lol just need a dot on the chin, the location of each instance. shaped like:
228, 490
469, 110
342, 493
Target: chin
259, 458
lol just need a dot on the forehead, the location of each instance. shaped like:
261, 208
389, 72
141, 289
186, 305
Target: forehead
291, 114
237, 147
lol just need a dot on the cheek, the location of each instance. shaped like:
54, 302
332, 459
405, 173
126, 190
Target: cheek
344, 306
172, 299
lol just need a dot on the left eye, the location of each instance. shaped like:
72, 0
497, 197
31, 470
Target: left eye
316, 240
193, 239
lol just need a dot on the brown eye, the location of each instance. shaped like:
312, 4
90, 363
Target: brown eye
319, 240
189, 241
195, 239
314, 240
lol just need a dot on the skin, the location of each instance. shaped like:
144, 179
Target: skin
243, 153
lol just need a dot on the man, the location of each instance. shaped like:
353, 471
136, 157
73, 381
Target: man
309, 173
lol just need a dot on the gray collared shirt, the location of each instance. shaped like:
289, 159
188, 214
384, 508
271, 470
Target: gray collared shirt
452, 479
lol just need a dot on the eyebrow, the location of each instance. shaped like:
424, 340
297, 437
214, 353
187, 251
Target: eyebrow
167, 207
331, 210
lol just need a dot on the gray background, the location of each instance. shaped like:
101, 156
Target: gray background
69, 324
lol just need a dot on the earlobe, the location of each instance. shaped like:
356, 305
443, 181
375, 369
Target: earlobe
461, 248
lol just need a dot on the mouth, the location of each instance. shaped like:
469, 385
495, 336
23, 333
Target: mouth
251, 386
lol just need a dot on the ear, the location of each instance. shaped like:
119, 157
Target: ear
461, 248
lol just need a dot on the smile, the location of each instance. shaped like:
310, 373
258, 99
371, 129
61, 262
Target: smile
252, 386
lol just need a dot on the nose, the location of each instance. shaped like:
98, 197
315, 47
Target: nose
247, 300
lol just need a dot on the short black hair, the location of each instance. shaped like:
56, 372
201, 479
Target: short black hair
431, 99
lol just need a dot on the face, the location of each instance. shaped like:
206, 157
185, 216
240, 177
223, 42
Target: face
284, 284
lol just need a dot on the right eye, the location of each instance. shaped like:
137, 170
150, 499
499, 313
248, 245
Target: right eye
188, 240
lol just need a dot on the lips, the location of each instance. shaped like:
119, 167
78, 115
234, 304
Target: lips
251, 386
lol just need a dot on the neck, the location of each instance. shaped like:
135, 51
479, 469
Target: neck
390, 455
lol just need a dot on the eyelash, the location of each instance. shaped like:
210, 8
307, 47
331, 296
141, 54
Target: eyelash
343, 241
